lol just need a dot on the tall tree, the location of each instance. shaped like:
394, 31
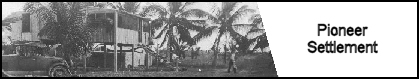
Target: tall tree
227, 15
261, 40
174, 23
255, 36
63, 24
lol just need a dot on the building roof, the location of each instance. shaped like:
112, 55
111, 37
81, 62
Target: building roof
15, 16
106, 10
5, 23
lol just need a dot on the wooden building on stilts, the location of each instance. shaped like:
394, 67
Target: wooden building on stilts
119, 36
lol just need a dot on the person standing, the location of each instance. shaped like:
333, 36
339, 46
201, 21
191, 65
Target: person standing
197, 52
232, 62
182, 53
192, 52
225, 54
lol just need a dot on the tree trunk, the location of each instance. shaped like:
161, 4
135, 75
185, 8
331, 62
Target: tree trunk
170, 56
225, 57
85, 63
214, 62
158, 56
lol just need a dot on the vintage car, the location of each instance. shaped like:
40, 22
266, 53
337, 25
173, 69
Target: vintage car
29, 60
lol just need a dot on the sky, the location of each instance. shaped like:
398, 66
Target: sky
9, 7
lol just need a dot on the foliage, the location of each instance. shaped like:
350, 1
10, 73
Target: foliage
257, 28
226, 16
130, 7
175, 27
63, 24
229, 13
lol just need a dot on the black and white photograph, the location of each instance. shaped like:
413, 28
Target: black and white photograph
134, 39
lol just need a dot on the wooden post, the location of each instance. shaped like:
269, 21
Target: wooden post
104, 54
115, 43
157, 57
146, 58
85, 58
120, 53
132, 57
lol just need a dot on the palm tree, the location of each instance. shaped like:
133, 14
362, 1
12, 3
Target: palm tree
174, 23
256, 35
261, 42
227, 15
63, 24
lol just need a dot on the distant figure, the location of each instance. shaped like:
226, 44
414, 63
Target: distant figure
192, 52
182, 52
225, 54
195, 52
232, 63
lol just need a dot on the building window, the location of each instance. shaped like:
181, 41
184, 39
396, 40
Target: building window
26, 22
140, 30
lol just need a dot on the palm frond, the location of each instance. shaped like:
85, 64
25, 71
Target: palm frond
43, 13
157, 24
154, 10
165, 29
241, 29
262, 41
233, 33
261, 31
187, 24
86, 4
256, 18
164, 41
131, 7
217, 41
226, 8
254, 33
199, 23
63, 23
197, 13
185, 36
204, 33
174, 7
238, 14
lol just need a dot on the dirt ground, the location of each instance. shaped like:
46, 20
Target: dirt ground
251, 65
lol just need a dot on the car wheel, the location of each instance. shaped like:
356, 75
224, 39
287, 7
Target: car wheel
59, 71
3, 74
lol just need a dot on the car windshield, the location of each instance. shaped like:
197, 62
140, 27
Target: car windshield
30, 50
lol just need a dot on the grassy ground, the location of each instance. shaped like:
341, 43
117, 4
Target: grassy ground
251, 65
